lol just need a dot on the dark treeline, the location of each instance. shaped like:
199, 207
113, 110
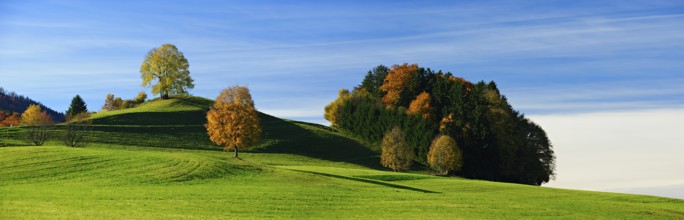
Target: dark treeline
498, 142
12, 102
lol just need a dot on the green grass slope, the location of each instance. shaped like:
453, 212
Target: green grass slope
154, 162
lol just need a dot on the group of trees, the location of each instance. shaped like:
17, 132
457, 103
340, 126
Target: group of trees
40, 125
115, 103
11, 103
444, 155
164, 69
493, 141
232, 122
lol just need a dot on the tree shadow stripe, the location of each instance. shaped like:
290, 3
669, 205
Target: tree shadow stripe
376, 182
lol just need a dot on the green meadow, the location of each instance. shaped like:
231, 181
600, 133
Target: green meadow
155, 161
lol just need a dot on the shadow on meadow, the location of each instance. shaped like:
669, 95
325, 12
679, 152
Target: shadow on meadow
312, 140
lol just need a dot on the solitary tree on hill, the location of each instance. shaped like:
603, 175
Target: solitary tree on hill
165, 69
38, 122
233, 121
77, 106
109, 103
74, 134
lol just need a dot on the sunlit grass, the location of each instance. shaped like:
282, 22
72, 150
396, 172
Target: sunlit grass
170, 170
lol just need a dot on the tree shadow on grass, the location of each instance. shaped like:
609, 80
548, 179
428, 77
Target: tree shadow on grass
185, 129
376, 182
283, 136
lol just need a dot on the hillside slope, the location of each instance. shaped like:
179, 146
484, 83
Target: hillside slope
179, 123
155, 162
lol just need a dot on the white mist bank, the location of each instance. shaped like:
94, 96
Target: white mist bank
638, 152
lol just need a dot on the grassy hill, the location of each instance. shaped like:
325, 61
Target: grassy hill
155, 161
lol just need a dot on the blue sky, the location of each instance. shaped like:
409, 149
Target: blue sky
548, 57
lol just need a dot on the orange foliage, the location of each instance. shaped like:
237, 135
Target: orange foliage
445, 122
233, 121
421, 105
462, 81
395, 82
3, 115
12, 120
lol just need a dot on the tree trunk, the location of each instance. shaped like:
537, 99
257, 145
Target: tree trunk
236, 152
165, 95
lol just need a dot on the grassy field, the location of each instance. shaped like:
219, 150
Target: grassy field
165, 168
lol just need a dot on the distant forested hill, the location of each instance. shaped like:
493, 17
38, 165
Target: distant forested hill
12, 102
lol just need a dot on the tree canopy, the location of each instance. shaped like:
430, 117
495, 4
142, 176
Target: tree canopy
233, 121
497, 142
396, 154
444, 155
38, 123
77, 106
166, 71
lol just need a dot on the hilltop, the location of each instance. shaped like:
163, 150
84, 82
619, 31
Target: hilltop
155, 161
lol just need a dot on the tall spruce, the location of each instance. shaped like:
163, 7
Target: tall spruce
77, 106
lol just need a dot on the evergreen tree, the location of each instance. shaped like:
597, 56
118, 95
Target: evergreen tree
77, 106
374, 80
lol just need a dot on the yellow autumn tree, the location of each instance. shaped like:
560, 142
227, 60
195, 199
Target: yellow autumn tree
444, 155
396, 153
166, 70
396, 81
332, 110
38, 123
421, 106
233, 121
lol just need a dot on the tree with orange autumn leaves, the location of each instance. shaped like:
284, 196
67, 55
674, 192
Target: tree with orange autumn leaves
398, 81
7, 120
421, 106
233, 121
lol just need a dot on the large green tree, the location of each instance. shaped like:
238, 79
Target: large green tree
77, 106
166, 70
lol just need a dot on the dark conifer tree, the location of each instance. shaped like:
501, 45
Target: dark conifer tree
77, 106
